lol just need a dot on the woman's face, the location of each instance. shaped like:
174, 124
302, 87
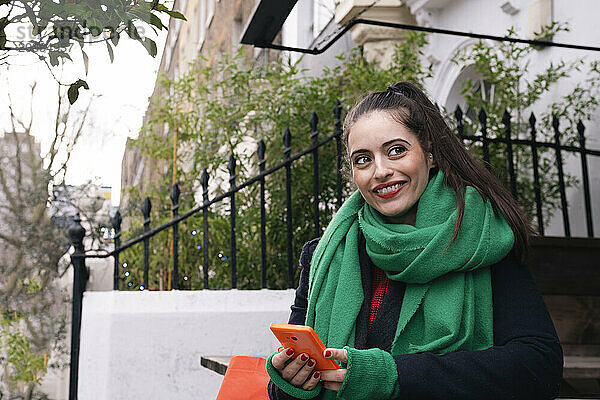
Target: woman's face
389, 166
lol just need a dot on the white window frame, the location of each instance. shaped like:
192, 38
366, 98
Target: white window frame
323, 13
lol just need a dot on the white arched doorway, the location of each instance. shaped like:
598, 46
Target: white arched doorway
451, 77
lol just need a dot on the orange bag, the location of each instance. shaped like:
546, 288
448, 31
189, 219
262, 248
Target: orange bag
246, 378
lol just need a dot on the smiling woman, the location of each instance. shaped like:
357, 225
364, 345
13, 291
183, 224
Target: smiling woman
389, 166
416, 286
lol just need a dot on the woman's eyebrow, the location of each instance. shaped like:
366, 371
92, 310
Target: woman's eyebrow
389, 142
358, 151
386, 144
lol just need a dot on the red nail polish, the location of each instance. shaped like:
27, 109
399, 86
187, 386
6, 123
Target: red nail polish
289, 352
304, 357
311, 363
328, 353
317, 375
279, 349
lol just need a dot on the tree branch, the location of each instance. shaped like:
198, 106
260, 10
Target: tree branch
12, 241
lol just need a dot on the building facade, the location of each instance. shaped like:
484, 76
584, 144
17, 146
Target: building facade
212, 29
215, 28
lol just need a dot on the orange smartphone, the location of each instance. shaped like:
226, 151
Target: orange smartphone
303, 339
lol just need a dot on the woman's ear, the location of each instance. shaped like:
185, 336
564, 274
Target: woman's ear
431, 161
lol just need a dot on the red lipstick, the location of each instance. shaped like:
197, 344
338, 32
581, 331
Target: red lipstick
389, 194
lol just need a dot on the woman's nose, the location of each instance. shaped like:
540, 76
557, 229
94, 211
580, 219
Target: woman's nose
382, 169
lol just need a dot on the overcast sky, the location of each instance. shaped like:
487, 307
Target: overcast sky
121, 92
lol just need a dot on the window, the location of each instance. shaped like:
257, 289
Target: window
323, 12
202, 23
483, 88
210, 11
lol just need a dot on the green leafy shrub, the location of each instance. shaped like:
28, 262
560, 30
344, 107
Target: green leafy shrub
226, 108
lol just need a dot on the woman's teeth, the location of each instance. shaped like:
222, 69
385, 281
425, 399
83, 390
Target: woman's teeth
389, 188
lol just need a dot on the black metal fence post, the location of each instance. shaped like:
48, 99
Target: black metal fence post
586, 181
337, 115
509, 154
287, 151
263, 217
232, 258
116, 223
80, 277
536, 176
174, 194
146, 208
460, 126
204, 183
561, 177
314, 137
484, 139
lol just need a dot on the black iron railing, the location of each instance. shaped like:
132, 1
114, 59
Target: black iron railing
482, 136
533, 144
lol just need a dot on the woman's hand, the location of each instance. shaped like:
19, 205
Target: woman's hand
297, 371
333, 379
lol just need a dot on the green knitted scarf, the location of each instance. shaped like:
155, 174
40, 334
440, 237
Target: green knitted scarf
447, 304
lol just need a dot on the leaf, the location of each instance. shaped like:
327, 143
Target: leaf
48, 9
53, 58
143, 15
94, 27
154, 20
161, 8
30, 14
124, 18
114, 37
73, 91
37, 30
86, 61
111, 54
55, 55
3, 24
150, 45
133, 32
176, 15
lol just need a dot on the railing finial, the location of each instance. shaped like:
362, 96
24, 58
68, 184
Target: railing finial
337, 116
555, 123
580, 132
231, 165
482, 117
204, 179
458, 114
261, 150
314, 120
174, 194
532, 120
116, 221
76, 231
147, 208
506, 118
287, 139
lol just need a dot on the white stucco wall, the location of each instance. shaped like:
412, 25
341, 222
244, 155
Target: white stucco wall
147, 345
487, 17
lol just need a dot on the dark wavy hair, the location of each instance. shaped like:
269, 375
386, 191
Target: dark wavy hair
406, 104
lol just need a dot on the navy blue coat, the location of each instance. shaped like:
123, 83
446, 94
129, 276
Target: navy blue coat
525, 361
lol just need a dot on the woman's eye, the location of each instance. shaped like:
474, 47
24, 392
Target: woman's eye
361, 160
397, 150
